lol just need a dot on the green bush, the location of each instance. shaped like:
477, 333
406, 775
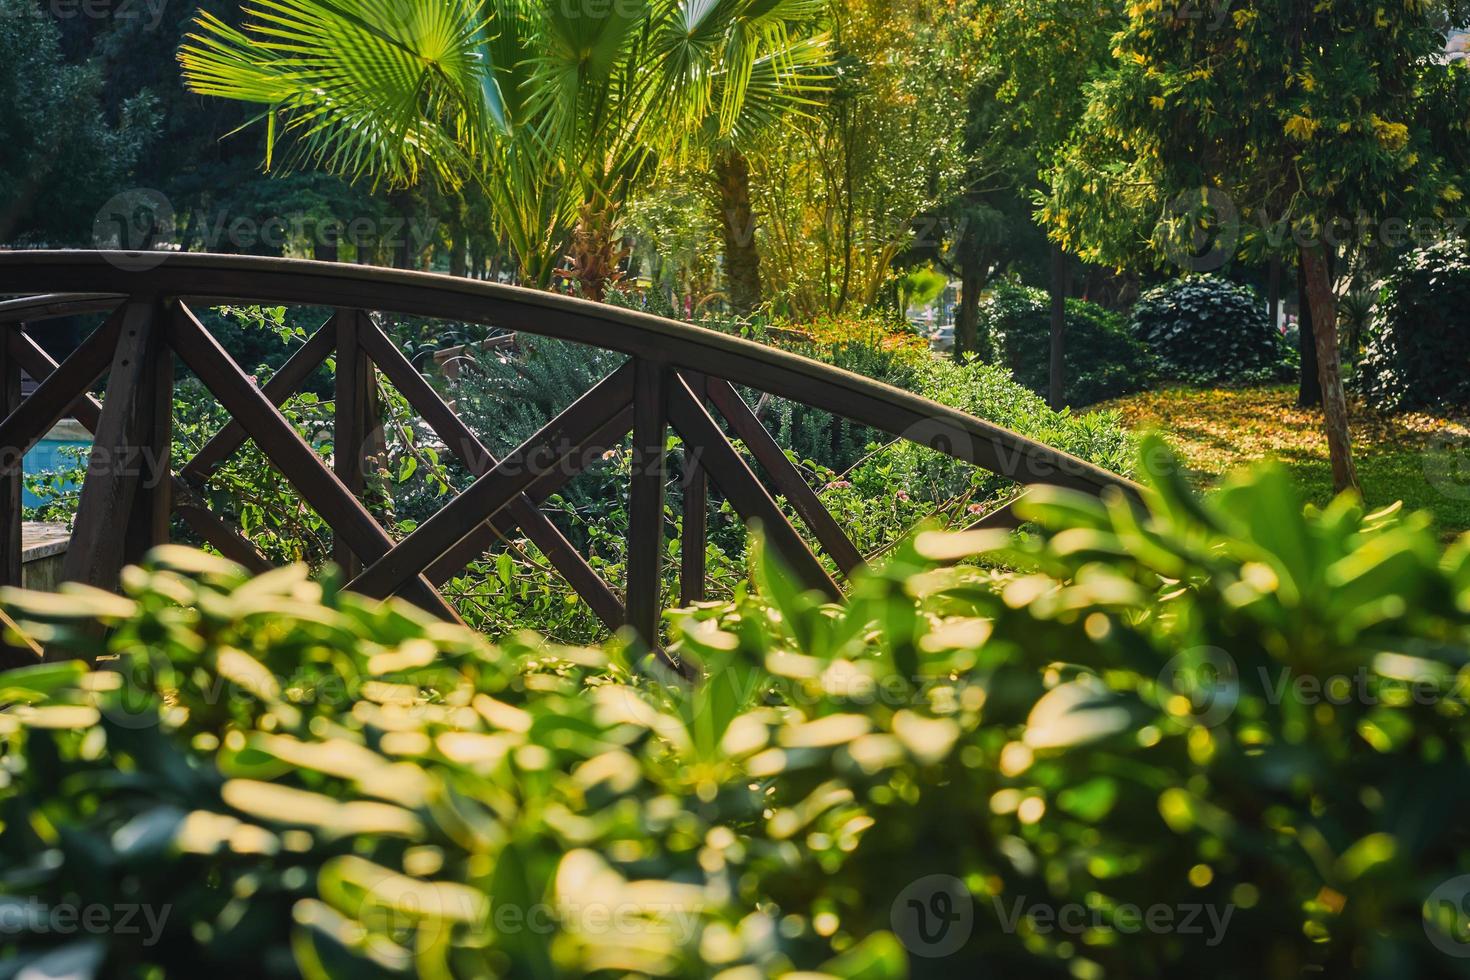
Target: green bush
900, 484
1221, 738
1419, 352
1209, 330
1102, 360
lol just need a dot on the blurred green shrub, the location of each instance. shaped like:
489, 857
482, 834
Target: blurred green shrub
1221, 737
1418, 355
1209, 330
1102, 360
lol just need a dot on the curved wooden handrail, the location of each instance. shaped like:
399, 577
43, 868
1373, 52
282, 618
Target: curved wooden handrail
197, 275
53, 306
678, 376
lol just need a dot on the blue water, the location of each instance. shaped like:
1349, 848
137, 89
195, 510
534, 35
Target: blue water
46, 455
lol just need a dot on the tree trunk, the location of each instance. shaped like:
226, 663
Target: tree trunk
402, 244
1273, 292
595, 251
737, 223
1318, 279
967, 317
459, 249
1057, 388
325, 242
1309, 389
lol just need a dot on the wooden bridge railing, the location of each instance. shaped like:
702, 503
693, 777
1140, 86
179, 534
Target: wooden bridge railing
676, 375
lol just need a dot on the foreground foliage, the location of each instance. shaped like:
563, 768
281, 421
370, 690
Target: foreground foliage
1243, 714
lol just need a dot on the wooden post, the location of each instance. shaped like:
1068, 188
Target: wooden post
289, 453
785, 477
11, 472
696, 514
352, 424
646, 499
148, 523
127, 434
751, 499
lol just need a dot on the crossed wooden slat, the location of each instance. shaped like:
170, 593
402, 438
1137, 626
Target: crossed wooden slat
122, 513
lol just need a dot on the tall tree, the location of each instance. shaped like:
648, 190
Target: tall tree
1297, 118
556, 108
62, 158
1048, 52
840, 198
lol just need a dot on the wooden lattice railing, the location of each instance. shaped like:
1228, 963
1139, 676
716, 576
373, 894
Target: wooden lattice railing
677, 375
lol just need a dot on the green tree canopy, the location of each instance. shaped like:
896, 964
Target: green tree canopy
1275, 125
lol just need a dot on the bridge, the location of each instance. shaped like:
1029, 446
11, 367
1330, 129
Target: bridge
676, 375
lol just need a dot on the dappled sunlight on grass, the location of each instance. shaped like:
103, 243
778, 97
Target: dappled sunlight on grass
1420, 459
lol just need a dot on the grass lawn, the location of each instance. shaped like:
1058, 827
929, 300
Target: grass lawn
1420, 459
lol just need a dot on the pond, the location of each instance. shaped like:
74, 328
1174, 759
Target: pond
48, 455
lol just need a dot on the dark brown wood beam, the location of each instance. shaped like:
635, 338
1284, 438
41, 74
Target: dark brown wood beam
12, 471
544, 452
350, 432
696, 514
472, 546
68, 383
148, 523
278, 389
646, 500
467, 447
739, 485
289, 453
785, 476
88, 412
123, 456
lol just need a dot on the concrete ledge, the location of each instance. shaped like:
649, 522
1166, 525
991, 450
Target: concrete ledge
42, 548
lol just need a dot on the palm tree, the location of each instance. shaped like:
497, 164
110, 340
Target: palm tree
555, 107
773, 94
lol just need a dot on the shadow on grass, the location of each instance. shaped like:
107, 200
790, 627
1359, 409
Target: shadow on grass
1421, 459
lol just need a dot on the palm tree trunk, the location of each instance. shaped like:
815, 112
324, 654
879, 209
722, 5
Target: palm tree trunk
1318, 278
737, 223
595, 251
403, 204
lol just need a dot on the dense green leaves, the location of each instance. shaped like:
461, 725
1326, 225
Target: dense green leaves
552, 109
1208, 330
1416, 357
1210, 736
1102, 360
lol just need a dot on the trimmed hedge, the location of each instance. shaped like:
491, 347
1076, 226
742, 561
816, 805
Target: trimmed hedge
1224, 738
1103, 361
1209, 330
1419, 352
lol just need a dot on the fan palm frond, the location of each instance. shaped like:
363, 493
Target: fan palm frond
382, 89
